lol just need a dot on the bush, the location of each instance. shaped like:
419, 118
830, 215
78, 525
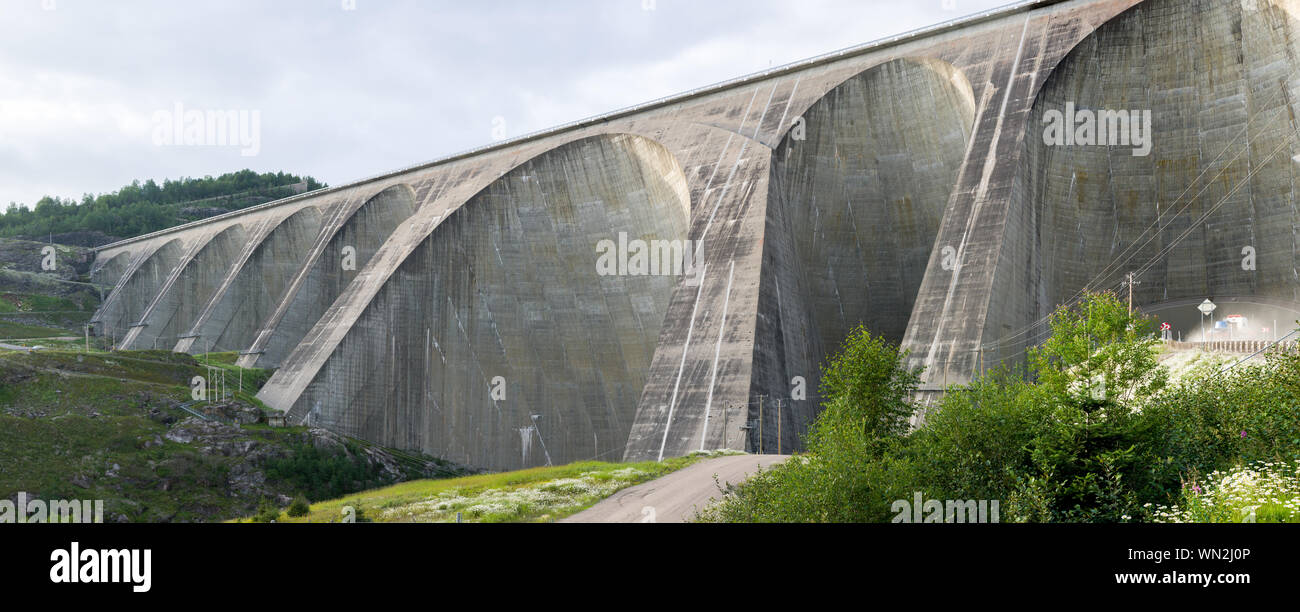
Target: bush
975, 445
267, 513
1216, 421
852, 473
1061, 442
867, 387
1088, 448
1091, 432
325, 473
299, 507
1262, 492
1092, 467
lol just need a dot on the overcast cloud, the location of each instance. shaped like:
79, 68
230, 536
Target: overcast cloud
345, 94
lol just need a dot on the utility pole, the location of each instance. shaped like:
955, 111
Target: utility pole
779, 446
726, 435
760, 423
1130, 282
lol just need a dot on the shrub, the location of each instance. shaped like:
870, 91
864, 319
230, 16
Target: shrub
267, 513
1264, 492
299, 507
853, 472
1217, 420
325, 473
1061, 442
867, 387
976, 444
1091, 432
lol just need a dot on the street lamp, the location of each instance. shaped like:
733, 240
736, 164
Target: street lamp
1206, 308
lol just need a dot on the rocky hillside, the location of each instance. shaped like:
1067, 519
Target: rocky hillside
32, 297
122, 427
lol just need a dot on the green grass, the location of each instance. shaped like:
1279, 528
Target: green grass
75, 345
158, 367
247, 379
61, 313
168, 482
217, 359
11, 330
68, 418
62, 436
29, 302
540, 494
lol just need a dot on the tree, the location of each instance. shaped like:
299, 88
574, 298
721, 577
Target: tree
850, 473
141, 208
867, 386
1094, 374
1099, 349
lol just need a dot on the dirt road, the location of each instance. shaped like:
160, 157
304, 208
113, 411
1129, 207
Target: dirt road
675, 498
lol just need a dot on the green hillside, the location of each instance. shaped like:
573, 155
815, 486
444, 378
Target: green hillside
39, 300
141, 208
115, 426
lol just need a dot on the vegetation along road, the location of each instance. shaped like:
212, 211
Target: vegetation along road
675, 498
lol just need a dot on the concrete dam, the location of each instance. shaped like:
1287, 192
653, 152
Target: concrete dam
669, 277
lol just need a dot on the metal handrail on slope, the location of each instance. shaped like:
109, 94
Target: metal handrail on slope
1271, 345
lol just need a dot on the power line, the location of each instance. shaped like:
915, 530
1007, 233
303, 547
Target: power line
1269, 346
1125, 256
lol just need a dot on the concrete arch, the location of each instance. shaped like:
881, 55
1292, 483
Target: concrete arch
508, 286
855, 206
108, 273
334, 261
249, 296
135, 290
180, 299
1221, 89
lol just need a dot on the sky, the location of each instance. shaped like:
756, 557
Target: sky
91, 90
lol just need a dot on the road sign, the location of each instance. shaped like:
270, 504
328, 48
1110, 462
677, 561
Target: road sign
1207, 307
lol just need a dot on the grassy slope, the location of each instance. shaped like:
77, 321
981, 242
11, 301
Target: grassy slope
32, 298
67, 419
57, 316
534, 495
12, 331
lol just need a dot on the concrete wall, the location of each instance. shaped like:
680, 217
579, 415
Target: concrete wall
922, 203
497, 340
136, 288
254, 287
329, 267
856, 204
1221, 85
108, 271
186, 290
